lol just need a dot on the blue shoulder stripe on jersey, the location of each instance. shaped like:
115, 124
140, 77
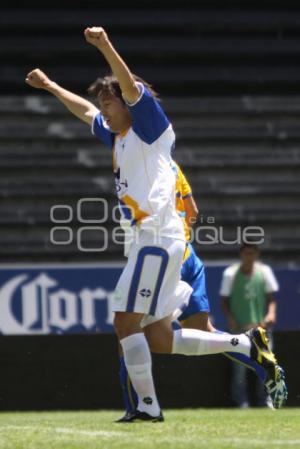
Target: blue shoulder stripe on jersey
148, 118
101, 130
133, 291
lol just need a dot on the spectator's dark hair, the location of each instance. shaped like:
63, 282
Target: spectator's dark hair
109, 85
249, 244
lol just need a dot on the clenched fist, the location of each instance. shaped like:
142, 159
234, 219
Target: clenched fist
96, 36
38, 79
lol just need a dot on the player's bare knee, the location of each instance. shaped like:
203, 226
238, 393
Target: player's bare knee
199, 321
157, 344
121, 327
124, 325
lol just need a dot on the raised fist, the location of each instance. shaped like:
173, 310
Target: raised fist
38, 79
96, 36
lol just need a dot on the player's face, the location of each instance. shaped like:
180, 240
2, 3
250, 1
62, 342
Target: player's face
249, 256
115, 113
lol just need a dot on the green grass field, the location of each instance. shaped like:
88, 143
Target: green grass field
201, 428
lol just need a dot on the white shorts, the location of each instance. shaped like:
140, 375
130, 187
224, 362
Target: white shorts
150, 282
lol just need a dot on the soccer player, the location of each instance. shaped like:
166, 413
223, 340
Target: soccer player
195, 314
134, 126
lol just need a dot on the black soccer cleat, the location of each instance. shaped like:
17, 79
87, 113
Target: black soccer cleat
125, 418
140, 416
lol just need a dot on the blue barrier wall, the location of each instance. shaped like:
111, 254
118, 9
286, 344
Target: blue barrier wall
76, 298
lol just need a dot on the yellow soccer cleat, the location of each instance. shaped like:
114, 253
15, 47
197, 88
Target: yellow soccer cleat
262, 354
260, 350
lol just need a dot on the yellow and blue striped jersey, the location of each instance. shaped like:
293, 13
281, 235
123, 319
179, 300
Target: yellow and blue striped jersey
183, 190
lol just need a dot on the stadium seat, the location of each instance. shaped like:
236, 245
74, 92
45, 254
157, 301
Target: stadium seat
229, 81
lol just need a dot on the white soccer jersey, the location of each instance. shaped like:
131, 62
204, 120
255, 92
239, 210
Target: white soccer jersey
145, 181
271, 284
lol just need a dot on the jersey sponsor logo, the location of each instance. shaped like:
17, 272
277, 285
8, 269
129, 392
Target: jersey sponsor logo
121, 186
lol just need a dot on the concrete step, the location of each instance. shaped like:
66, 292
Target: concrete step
46, 104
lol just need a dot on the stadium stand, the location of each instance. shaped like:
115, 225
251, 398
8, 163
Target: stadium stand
229, 79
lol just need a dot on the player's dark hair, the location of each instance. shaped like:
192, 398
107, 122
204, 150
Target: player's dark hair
109, 85
249, 244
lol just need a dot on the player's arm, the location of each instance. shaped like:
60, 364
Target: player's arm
81, 108
232, 324
98, 37
191, 210
271, 287
190, 206
225, 295
270, 318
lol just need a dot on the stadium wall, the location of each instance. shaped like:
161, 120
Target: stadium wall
81, 372
57, 349
75, 298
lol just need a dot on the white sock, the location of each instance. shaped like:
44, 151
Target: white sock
195, 342
138, 362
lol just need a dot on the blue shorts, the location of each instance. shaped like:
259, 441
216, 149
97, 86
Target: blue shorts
193, 272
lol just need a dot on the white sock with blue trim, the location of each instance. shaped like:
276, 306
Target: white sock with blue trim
196, 342
138, 362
